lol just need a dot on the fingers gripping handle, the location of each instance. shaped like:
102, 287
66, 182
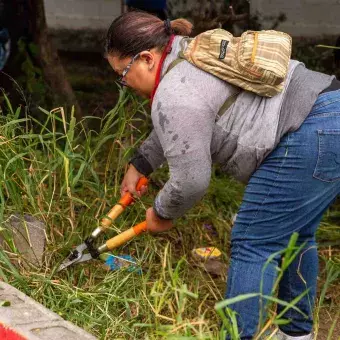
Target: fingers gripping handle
126, 200
124, 237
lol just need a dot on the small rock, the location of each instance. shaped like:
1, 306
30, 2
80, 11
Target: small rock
215, 267
29, 237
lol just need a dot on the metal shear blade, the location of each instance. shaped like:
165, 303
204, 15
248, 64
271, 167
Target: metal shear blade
76, 256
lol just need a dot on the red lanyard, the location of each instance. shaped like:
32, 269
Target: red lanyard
166, 51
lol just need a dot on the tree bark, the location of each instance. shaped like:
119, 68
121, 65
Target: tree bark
26, 19
49, 61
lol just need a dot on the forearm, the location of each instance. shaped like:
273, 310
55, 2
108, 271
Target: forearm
149, 156
188, 182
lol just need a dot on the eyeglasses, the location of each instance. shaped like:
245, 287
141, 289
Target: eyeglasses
121, 80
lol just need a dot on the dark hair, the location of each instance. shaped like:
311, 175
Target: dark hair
136, 31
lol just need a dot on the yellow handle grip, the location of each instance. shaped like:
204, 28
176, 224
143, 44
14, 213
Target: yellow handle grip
111, 216
126, 200
125, 236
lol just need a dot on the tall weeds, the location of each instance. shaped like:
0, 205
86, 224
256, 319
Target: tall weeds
68, 176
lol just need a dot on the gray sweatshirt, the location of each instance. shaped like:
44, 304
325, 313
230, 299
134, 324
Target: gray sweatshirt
190, 136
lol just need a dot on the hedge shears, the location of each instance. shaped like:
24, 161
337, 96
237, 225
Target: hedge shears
88, 251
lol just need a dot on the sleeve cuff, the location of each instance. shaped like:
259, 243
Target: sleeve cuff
159, 215
141, 164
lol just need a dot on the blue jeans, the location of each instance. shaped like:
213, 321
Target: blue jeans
288, 193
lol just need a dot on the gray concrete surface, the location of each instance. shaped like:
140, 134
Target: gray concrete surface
33, 321
308, 18
78, 14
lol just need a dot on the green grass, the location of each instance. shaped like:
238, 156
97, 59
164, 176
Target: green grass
50, 170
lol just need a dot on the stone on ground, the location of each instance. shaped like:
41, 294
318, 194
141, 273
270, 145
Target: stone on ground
29, 237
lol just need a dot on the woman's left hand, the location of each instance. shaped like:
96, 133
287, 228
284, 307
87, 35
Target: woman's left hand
156, 224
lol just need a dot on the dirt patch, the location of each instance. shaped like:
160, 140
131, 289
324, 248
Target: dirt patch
327, 318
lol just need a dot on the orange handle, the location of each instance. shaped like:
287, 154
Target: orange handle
117, 209
127, 199
139, 228
124, 237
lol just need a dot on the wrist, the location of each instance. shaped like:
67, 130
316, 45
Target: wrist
141, 164
158, 215
133, 168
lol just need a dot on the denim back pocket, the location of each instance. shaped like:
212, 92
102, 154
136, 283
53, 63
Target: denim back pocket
328, 165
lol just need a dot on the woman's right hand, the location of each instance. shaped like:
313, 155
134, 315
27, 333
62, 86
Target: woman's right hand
130, 181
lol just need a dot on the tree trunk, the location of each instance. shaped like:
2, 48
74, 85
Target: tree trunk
25, 19
48, 59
